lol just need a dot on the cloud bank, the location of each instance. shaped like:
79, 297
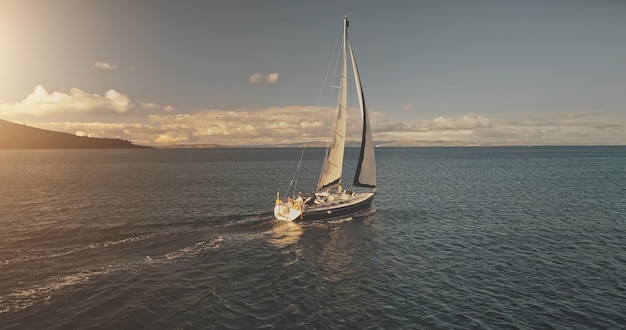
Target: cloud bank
42, 103
113, 115
281, 126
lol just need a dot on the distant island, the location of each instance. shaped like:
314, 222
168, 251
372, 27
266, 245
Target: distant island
17, 136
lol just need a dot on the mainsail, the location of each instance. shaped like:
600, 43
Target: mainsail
333, 163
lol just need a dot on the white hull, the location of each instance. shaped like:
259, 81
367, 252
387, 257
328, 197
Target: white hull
284, 212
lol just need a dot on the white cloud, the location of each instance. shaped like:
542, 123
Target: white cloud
469, 121
169, 108
104, 65
259, 78
294, 124
272, 78
439, 126
154, 106
42, 103
530, 129
408, 106
256, 78
148, 105
171, 138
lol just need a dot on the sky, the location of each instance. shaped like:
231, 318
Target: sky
247, 73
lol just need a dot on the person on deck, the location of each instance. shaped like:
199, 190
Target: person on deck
311, 200
300, 200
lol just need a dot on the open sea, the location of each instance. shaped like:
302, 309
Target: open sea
476, 237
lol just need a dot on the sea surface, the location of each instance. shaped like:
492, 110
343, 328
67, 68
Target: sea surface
480, 237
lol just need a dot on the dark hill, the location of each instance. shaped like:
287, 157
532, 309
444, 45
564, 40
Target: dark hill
16, 136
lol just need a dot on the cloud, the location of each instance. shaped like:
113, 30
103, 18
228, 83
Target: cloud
172, 138
104, 65
408, 106
562, 128
275, 126
272, 78
154, 106
271, 126
469, 121
544, 129
259, 78
169, 108
292, 124
297, 125
42, 103
148, 105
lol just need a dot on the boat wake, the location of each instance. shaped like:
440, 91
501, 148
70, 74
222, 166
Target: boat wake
94, 264
38, 294
79, 249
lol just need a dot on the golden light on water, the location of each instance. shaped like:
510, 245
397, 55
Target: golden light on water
285, 233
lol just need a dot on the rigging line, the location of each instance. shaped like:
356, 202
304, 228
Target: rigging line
332, 57
293, 178
319, 98
298, 169
296, 174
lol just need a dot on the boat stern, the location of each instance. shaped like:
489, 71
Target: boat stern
285, 212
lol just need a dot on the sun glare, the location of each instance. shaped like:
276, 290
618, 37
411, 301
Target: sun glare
14, 28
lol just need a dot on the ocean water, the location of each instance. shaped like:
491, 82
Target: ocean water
483, 238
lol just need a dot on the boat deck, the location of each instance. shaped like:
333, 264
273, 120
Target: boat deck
336, 200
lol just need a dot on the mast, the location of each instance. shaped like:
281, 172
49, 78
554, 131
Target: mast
333, 163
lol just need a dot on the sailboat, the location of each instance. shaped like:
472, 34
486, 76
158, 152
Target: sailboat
330, 200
